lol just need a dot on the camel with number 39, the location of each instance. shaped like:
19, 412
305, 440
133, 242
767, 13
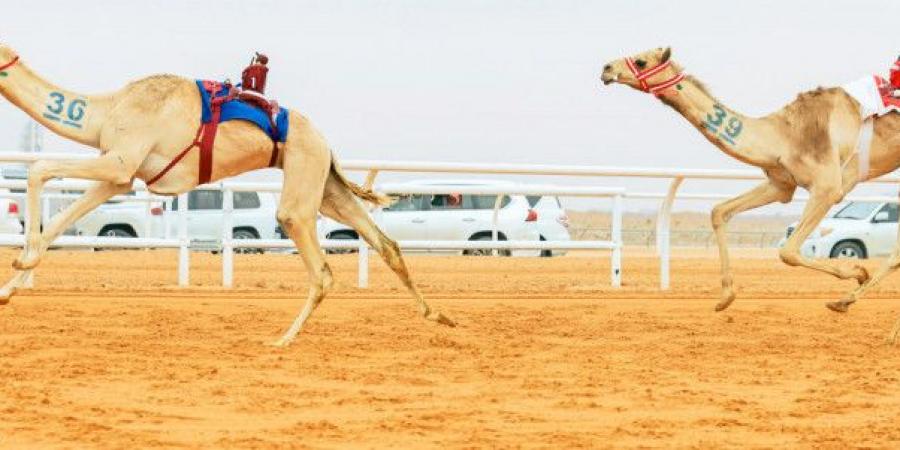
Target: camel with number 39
810, 143
140, 129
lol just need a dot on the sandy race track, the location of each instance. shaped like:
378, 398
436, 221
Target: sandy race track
106, 352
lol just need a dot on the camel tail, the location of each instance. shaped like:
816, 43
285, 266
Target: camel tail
368, 195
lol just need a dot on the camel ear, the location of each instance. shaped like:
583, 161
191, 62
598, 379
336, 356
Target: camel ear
667, 53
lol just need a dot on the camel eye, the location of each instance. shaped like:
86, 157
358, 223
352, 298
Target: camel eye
640, 63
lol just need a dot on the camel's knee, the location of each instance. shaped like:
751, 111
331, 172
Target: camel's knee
832, 195
790, 257
289, 219
718, 217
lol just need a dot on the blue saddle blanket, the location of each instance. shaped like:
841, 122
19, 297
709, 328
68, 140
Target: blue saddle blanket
239, 110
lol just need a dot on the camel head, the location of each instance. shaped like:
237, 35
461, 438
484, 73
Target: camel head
651, 71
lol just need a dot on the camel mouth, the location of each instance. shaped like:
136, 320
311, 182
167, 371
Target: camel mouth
608, 79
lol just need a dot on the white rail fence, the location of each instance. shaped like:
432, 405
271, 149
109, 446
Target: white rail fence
373, 168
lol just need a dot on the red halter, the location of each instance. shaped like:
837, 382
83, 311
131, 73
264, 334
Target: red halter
9, 64
658, 88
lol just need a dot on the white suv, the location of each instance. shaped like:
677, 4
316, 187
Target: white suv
123, 219
253, 216
857, 230
451, 217
552, 221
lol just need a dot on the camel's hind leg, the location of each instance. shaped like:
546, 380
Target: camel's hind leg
92, 198
887, 267
304, 182
340, 204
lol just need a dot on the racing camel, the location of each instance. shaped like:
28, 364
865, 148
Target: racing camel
810, 143
147, 130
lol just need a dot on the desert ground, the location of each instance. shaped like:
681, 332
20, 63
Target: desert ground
107, 352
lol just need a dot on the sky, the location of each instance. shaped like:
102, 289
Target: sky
469, 81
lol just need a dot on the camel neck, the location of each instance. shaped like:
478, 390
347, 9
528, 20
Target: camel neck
739, 136
69, 114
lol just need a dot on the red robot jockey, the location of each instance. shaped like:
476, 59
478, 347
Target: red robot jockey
253, 84
895, 78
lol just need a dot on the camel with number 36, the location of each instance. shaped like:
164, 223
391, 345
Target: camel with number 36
810, 143
140, 129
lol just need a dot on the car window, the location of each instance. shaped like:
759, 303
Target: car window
533, 200
246, 200
856, 210
203, 200
446, 201
484, 201
407, 202
891, 209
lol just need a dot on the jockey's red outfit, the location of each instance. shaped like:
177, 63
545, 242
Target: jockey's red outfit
895, 77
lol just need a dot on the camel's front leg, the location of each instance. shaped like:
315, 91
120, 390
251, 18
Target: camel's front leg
818, 205
92, 198
761, 195
110, 168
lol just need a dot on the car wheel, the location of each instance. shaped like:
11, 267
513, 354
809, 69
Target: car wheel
486, 251
546, 253
347, 235
117, 232
848, 249
245, 234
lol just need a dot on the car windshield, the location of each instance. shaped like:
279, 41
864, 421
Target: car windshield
856, 210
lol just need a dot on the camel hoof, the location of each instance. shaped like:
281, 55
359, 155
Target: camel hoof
281, 343
441, 319
841, 306
27, 264
6, 294
725, 303
863, 275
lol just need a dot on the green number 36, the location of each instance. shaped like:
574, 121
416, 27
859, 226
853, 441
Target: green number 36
75, 110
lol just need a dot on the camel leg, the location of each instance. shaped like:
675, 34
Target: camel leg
92, 198
887, 267
110, 167
819, 203
340, 204
305, 173
761, 195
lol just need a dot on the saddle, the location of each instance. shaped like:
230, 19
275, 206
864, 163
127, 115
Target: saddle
222, 101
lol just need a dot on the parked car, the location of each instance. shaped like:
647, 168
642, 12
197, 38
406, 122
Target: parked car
552, 221
119, 218
451, 217
253, 216
857, 230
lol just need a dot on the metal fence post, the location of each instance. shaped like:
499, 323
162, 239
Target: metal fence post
184, 261
227, 237
148, 215
616, 258
663, 232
